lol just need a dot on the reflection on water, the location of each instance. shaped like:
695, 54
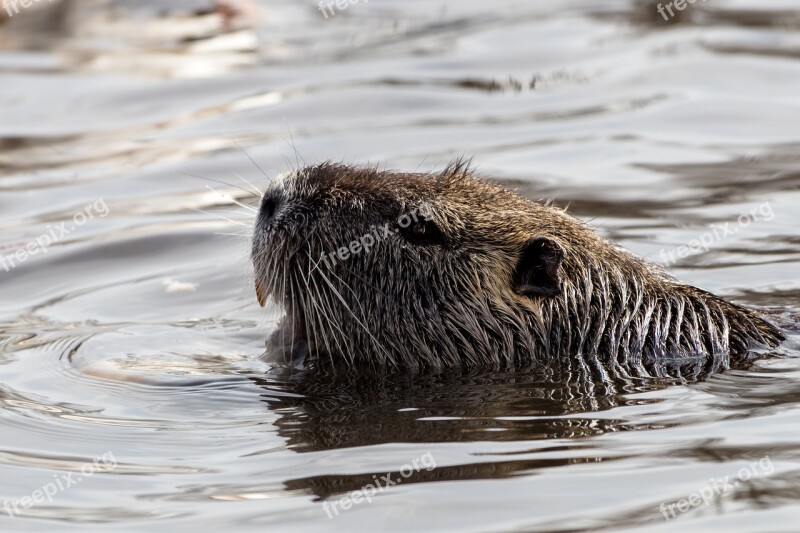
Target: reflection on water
553, 414
138, 333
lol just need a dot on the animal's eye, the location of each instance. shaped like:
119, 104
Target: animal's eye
422, 232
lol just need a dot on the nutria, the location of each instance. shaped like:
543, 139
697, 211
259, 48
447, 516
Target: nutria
390, 270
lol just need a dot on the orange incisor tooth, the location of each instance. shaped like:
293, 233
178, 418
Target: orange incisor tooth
262, 300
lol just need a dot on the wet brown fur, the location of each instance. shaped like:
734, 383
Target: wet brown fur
438, 306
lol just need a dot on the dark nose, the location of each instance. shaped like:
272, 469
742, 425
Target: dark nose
270, 205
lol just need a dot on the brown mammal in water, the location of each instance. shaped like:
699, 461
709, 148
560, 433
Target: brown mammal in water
458, 272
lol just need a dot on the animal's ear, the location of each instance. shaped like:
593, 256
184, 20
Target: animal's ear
538, 271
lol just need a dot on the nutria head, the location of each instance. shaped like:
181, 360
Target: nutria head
390, 270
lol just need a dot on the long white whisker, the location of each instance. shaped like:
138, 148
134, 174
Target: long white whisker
259, 191
360, 323
326, 315
297, 155
215, 181
318, 308
232, 199
221, 217
251, 159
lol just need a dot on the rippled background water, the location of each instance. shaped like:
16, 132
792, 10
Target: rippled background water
137, 332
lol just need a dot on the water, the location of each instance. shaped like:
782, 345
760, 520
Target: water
132, 341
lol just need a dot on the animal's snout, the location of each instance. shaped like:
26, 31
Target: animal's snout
271, 205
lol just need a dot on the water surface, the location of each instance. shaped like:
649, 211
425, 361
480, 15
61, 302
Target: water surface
137, 333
